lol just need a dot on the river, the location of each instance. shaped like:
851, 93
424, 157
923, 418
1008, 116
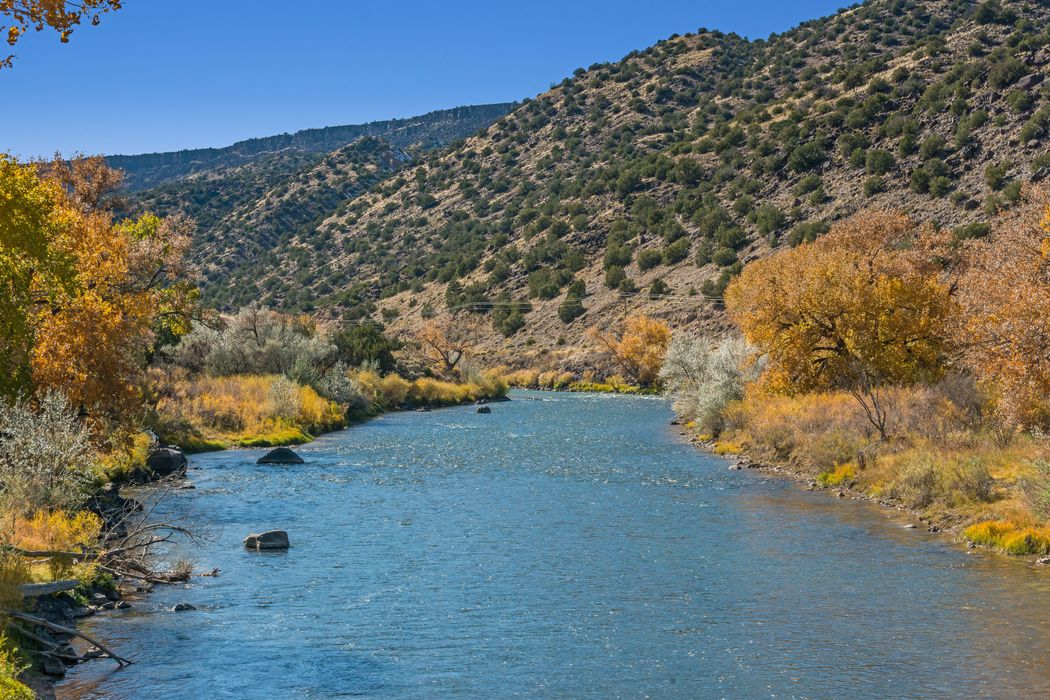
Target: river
569, 546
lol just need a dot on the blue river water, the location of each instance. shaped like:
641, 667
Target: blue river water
563, 546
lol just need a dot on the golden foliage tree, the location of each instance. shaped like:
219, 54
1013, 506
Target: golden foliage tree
859, 309
1003, 335
446, 343
88, 296
60, 15
639, 350
36, 224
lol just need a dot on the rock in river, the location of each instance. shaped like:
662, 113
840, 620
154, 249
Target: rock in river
273, 539
165, 461
180, 607
484, 409
281, 455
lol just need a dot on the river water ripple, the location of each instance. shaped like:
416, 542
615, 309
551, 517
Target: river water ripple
569, 546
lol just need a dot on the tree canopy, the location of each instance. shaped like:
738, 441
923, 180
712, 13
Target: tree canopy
60, 15
860, 308
1003, 336
639, 349
85, 297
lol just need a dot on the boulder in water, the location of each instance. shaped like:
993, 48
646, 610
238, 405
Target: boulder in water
181, 607
280, 455
166, 460
272, 539
484, 409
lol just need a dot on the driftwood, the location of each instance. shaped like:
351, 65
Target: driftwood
46, 553
31, 590
47, 624
51, 647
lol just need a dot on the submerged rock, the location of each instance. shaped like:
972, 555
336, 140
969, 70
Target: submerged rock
180, 607
484, 409
52, 667
166, 461
280, 455
273, 539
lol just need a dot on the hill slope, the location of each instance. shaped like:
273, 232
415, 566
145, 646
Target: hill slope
680, 162
425, 131
248, 197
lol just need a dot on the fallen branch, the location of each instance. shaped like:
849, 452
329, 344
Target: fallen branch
47, 624
46, 554
32, 590
52, 648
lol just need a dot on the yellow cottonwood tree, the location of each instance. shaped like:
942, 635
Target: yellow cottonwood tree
639, 349
859, 309
36, 223
84, 296
1003, 336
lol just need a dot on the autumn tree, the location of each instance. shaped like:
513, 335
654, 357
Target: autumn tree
1003, 335
860, 309
87, 296
36, 225
63, 16
446, 343
639, 349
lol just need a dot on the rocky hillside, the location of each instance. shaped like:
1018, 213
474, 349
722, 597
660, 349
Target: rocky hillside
249, 197
426, 131
646, 183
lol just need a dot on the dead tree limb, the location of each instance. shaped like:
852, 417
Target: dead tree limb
47, 624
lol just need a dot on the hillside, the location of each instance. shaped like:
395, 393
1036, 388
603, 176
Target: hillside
426, 131
651, 180
246, 199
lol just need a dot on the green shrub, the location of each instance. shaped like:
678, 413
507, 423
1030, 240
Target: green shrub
874, 185
723, 257
769, 219
617, 256
810, 183
807, 232
994, 174
1012, 192
648, 259
879, 162
974, 230
940, 186
658, 289
677, 251
570, 309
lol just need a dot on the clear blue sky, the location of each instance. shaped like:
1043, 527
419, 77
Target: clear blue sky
168, 74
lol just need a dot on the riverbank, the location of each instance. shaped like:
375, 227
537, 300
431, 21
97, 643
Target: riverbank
202, 414
990, 504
